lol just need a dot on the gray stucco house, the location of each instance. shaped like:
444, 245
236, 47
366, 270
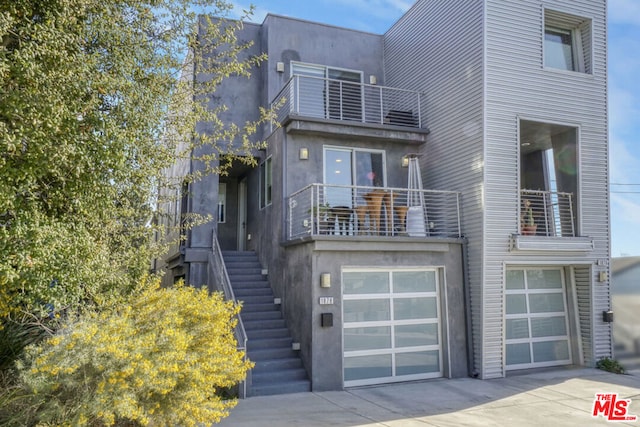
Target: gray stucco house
350, 273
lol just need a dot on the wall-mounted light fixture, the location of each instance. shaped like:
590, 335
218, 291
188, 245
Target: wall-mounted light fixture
280, 67
304, 153
405, 161
373, 80
325, 280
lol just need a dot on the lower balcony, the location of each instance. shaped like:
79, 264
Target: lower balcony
350, 211
547, 213
547, 224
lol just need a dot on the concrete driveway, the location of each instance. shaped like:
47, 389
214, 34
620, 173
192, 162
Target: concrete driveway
559, 397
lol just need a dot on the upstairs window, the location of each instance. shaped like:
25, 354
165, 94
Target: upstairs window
559, 49
567, 42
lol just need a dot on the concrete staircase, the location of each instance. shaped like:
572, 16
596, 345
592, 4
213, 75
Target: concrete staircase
278, 369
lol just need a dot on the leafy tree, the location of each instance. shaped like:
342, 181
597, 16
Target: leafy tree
97, 100
86, 88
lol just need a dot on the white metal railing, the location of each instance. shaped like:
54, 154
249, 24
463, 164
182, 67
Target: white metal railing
342, 100
219, 281
547, 213
336, 210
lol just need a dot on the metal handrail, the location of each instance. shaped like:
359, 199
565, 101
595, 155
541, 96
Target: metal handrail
547, 213
222, 283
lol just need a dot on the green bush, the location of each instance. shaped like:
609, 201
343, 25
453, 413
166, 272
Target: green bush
610, 365
163, 360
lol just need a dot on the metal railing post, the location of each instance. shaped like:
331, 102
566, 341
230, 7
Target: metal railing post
381, 105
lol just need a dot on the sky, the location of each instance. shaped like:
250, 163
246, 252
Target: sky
377, 16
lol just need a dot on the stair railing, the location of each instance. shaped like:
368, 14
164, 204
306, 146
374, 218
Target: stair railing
219, 281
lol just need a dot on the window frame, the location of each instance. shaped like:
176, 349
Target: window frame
222, 202
580, 30
353, 166
266, 183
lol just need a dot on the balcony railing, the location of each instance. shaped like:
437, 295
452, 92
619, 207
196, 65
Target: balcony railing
342, 100
547, 213
349, 211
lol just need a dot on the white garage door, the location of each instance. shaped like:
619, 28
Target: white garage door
391, 326
536, 321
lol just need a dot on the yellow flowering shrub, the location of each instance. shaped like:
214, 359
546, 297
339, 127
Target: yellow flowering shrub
161, 360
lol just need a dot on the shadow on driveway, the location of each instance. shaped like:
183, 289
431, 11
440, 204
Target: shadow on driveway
558, 397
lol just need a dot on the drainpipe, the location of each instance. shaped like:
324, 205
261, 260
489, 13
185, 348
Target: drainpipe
467, 312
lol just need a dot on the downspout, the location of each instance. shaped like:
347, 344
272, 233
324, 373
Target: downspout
467, 311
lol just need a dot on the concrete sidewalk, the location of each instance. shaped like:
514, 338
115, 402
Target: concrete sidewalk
551, 398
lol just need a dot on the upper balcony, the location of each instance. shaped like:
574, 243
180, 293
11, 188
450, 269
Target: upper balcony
340, 100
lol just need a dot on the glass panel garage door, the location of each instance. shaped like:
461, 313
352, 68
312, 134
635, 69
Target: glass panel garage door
536, 322
391, 326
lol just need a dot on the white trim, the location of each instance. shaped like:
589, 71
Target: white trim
353, 150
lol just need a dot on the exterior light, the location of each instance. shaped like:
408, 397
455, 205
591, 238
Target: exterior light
304, 153
405, 161
325, 280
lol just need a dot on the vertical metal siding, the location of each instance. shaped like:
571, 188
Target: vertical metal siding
437, 48
480, 65
582, 278
518, 86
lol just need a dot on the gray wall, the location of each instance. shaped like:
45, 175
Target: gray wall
321, 347
437, 48
288, 39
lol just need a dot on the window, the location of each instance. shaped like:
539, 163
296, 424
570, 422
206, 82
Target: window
222, 202
265, 183
558, 49
567, 42
327, 92
351, 166
548, 178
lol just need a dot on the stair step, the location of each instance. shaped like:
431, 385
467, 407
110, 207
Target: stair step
288, 387
253, 292
268, 333
262, 324
266, 343
248, 316
243, 271
246, 277
264, 284
250, 307
272, 365
282, 375
242, 263
251, 300
271, 353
